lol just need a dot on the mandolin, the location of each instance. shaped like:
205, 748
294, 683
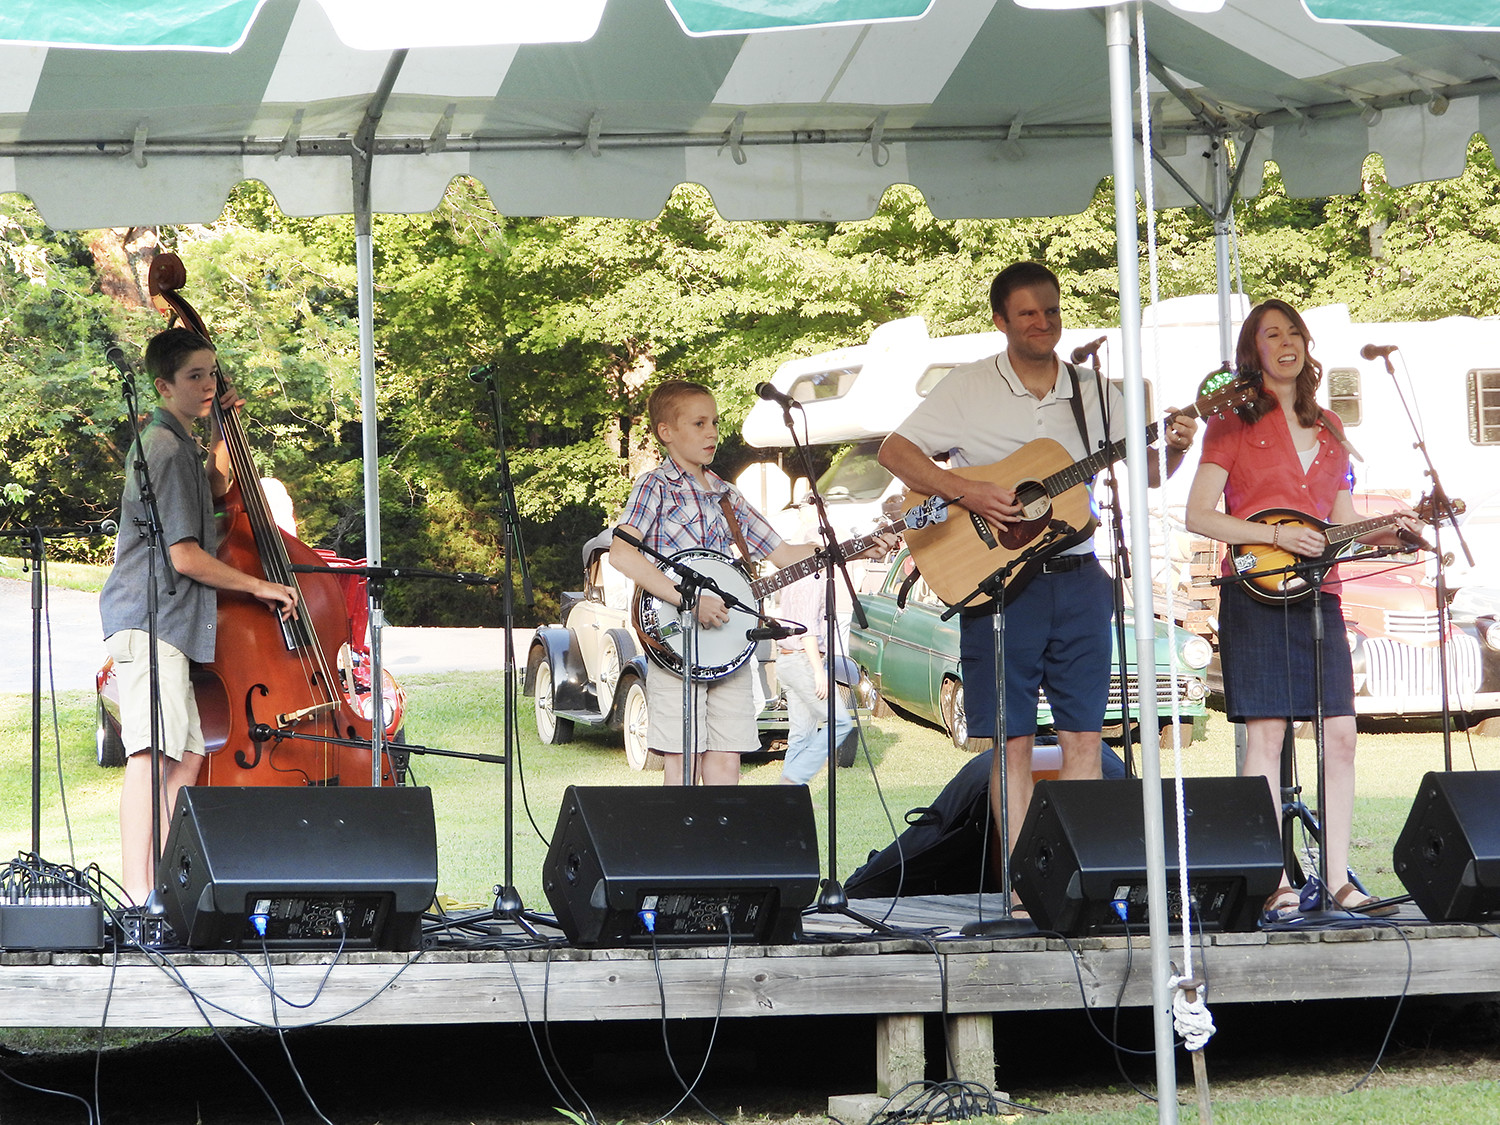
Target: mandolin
1264, 567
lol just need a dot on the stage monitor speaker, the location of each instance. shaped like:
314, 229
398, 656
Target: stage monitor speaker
1448, 854
324, 867
1082, 849
712, 863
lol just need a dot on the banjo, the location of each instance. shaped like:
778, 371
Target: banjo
721, 651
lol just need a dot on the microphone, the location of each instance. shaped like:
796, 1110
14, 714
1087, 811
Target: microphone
107, 527
775, 632
1412, 539
1377, 351
771, 394
1083, 351
117, 357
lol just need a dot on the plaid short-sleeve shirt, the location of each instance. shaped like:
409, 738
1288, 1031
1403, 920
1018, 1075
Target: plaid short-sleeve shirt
673, 513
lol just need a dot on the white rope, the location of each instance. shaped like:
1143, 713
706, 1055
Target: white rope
1191, 1019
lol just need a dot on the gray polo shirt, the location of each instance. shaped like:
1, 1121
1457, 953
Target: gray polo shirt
186, 620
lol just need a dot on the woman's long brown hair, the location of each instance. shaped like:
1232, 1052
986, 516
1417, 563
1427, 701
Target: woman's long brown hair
1247, 359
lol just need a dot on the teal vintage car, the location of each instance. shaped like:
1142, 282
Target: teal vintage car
908, 658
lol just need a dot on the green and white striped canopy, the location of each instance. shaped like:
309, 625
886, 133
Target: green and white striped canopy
988, 107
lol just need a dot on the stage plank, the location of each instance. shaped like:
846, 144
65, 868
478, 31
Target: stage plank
892, 975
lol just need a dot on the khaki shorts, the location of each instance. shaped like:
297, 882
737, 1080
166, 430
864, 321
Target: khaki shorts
182, 729
723, 710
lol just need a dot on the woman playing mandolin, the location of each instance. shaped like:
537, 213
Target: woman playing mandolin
1285, 452
184, 370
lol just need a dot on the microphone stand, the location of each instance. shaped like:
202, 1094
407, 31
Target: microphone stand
1007, 925
1442, 509
34, 548
689, 583
831, 898
508, 905
151, 528
1313, 571
1120, 577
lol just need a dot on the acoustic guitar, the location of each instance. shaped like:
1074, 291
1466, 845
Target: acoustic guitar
1263, 566
957, 556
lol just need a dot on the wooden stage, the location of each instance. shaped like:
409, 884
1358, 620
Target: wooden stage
839, 970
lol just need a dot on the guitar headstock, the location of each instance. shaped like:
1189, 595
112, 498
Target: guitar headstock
1428, 510
1223, 391
932, 510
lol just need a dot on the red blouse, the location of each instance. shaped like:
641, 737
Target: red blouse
1265, 470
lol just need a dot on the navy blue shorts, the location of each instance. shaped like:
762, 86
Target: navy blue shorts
1266, 652
1057, 637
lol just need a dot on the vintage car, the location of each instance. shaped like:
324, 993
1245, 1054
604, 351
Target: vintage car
1476, 610
908, 657
353, 669
591, 668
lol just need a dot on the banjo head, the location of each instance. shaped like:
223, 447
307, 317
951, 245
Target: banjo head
717, 652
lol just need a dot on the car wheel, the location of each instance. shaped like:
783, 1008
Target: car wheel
635, 722
549, 727
107, 745
616, 650
955, 719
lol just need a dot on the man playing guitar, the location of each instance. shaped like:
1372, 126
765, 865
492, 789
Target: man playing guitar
1058, 625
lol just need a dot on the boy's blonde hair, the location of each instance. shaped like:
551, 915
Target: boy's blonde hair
666, 401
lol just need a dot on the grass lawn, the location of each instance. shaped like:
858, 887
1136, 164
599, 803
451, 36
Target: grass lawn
462, 712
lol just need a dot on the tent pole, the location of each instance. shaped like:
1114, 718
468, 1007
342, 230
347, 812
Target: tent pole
361, 159
1127, 250
1222, 214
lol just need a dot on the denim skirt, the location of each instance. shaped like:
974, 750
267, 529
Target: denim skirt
1266, 652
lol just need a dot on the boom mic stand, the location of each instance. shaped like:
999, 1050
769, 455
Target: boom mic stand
1312, 571
1007, 925
151, 527
34, 546
690, 583
831, 898
1442, 509
508, 905
1120, 576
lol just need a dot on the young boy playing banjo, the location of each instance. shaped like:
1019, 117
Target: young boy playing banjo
681, 505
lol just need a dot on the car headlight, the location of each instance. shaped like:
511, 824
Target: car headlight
1491, 634
1197, 652
1352, 639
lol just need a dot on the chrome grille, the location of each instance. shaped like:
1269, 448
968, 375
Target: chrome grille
1396, 670
1163, 692
1420, 628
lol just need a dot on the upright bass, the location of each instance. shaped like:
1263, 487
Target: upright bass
279, 702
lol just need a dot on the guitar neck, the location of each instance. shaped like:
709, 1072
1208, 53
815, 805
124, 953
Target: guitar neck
1079, 472
1345, 532
763, 587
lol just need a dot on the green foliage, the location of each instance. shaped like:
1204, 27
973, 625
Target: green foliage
573, 320
61, 416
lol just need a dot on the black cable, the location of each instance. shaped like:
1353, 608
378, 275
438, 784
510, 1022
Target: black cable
276, 1021
661, 988
547, 1038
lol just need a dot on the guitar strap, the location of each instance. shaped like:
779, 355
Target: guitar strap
734, 529
1077, 403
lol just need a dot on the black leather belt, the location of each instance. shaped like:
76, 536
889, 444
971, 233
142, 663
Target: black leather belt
1061, 564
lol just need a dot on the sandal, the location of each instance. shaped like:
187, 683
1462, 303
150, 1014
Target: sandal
1351, 898
1280, 907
